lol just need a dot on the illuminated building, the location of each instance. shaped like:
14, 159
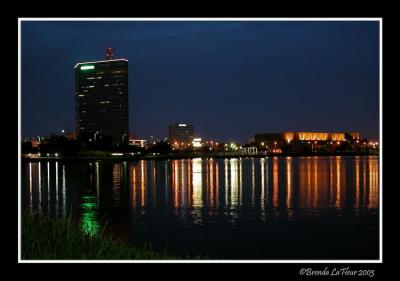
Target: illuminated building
70, 135
353, 136
249, 150
101, 97
278, 139
197, 142
139, 143
181, 133
35, 143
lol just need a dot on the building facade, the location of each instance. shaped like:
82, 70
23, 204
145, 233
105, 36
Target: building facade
138, 143
181, 133
278, 139
101, 95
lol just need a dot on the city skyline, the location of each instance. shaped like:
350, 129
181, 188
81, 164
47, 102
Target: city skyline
230, 80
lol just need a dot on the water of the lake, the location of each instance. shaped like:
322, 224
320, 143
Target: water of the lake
248, 208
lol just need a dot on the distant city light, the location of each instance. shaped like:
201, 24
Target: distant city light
182, 125
117, 154
197, 142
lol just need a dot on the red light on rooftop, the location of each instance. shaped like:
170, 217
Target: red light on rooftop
109, 53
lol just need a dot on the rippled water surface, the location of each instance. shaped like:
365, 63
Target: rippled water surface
248, 208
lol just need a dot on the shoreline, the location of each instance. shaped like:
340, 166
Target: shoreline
191, 156
45, 238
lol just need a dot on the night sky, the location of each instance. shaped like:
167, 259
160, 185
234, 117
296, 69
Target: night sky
229, 79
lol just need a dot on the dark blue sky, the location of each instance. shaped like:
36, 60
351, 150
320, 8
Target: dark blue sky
229, 79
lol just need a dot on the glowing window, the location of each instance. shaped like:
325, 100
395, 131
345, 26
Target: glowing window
87, 67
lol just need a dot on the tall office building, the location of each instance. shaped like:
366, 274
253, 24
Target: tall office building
181, 132
101, 95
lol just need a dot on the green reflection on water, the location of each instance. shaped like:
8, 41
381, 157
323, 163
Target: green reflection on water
89, 221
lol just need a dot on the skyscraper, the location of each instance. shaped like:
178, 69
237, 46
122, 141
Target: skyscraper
181, 132
101, 95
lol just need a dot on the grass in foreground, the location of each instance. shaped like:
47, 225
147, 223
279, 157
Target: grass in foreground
61, 238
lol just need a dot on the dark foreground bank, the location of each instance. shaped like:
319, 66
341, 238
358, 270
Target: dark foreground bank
46, 238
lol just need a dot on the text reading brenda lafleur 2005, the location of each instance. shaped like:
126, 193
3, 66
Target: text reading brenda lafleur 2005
345, 271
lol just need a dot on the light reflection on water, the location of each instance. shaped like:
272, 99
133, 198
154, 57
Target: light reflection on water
89, 219
189, 192
309, 182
